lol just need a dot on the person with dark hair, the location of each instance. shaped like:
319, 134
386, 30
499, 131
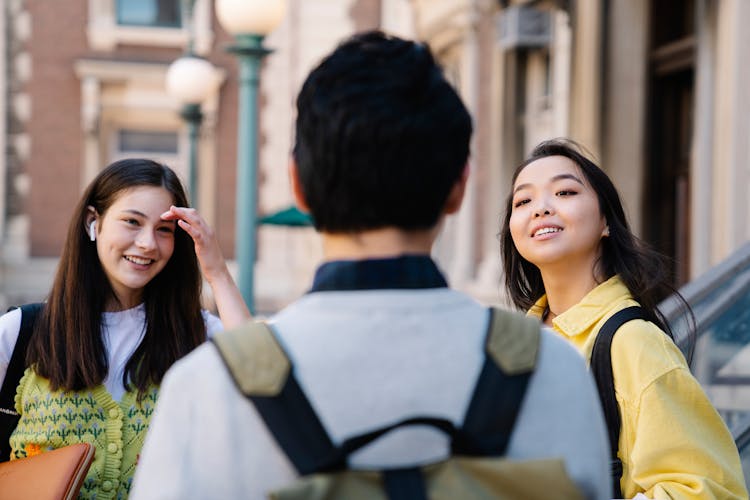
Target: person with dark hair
571, 259
124, 305
380, 159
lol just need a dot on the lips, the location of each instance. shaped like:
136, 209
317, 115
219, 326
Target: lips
541, 231
138, 260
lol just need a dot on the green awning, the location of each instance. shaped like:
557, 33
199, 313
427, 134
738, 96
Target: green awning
290, 216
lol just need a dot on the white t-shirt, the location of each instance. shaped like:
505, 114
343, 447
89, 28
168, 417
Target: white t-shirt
122, 332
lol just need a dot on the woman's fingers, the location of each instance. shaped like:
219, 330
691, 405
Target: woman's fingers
191, 222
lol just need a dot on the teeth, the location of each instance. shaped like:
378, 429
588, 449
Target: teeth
138, 260
546, 230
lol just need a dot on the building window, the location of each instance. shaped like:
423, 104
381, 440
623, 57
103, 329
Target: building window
158, 145
156, 13
148, 142
151, 23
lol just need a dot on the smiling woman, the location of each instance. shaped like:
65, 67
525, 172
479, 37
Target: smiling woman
133, 242
124, 306
555, 220
571, 260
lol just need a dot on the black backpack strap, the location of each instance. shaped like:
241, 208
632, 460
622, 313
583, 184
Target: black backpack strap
511, 348
17, 365
601, 368
263, 373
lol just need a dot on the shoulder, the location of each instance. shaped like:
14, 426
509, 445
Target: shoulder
213, 323
561, 417
561, 379
11, 321
560, 376
10, 324
559, 361
202, 368
205, 356
642, 353
552, 346
203, 376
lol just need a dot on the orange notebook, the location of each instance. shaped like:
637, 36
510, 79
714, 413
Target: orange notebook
53, 475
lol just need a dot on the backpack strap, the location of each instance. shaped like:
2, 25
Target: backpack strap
17, 365
263, 373
601, 368
511, 349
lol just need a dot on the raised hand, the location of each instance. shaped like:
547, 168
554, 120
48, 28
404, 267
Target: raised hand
232, 308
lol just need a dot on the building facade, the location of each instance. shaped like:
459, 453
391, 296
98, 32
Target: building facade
655, 89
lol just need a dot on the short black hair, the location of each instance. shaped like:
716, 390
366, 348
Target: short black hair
381, 136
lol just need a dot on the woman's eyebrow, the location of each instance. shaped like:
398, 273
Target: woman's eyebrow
567, 176
134, 212
555, 178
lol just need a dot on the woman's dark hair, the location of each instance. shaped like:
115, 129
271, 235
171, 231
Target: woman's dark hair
643, 270
67, 346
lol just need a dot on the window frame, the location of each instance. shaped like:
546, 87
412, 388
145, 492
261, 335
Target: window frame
180, 21
105, 34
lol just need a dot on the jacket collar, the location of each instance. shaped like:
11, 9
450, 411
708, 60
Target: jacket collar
404, 272
593, 306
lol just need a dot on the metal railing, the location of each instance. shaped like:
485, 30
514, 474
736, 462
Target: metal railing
720, 300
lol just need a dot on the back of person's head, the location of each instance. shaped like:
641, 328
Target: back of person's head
643, 270
381, 136
68, 348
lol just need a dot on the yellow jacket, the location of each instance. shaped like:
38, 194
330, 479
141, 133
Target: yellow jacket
673, 443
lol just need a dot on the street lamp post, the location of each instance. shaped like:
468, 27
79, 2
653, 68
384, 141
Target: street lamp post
193, 116
249, 21
190, 79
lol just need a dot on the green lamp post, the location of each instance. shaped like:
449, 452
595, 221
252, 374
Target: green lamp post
191, 79
249, 21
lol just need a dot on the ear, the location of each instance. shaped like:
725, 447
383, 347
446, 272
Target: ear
605, 231
297, 191
456, 195
90, 217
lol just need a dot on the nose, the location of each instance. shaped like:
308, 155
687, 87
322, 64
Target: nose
146, 240
542, 208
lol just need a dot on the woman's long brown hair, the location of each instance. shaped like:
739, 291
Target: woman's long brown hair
67, 346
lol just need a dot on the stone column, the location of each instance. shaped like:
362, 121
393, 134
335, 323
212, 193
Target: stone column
623, 148
586, 95
703, 140
731, 154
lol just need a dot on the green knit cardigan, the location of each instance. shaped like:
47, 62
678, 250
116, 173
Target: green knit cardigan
52, 419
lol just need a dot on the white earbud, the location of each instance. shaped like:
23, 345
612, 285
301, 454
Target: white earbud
92, 230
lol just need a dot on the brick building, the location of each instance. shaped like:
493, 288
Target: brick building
84, 85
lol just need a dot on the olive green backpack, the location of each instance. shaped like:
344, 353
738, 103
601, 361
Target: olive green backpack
475, 469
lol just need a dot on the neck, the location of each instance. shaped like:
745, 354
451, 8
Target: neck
565, 286
122, 302
377, 243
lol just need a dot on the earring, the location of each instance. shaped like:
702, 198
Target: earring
92, 230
